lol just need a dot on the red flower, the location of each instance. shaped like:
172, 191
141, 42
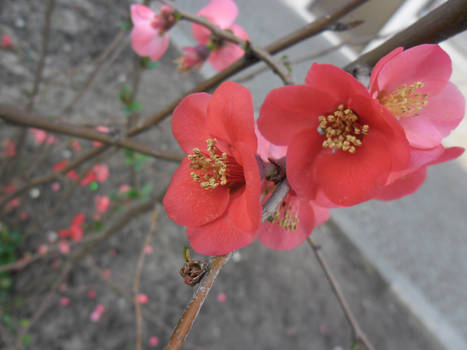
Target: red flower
194, 57
215, 191
341, 141
75, 231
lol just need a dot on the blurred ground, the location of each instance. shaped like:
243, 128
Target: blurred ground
274, 300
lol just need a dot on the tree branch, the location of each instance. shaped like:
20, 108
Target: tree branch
359, 336
16, 116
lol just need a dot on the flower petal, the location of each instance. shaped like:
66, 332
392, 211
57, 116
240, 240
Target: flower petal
222, 13
404, 186
141, 14
420, 63
443, 113
189, 122
224, 56
290, 109
274, 236
379, 65
230, 115
188, 204
147, 42
220, 236
246, 209
334, 81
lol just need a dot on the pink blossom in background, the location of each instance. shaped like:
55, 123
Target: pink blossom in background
64, 301
63, 246
92, 294
153, 341
142, 298
14, 203
148, 250
221, 297
43, 249
24, 216
75, 231
99, 173
124, 188
106, 273
41, 136
6, 42
97, 313
56, 186
102, 203
72, 174
193, 58
222, 13
148, 36
9, 148
76, 146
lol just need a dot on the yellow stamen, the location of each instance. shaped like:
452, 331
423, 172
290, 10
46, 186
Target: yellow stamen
211, 167
405, 102
342, 130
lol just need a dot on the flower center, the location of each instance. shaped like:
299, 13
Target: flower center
342, 130
214, 168
285, 215
405, 101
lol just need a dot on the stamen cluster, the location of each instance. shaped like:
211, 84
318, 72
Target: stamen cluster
211, 167
342, 130
405, 102
284, 217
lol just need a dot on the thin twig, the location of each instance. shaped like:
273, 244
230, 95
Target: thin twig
139, 271
16, 116
191, 312
359, 336
283, 43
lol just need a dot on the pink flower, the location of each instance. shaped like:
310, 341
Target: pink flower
97, 313
153, 341
9, 148
295, 217
221, 297
194, 58
102, 203
6, 42
341, 142
148, 36
64, 301
124, 188
41, 136
99, 173
215, 192
43, 249
92, 294
63, 246
222, 13
414, 86
56, 186
75, 145
142, 298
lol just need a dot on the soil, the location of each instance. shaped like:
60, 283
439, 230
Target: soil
273, 300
